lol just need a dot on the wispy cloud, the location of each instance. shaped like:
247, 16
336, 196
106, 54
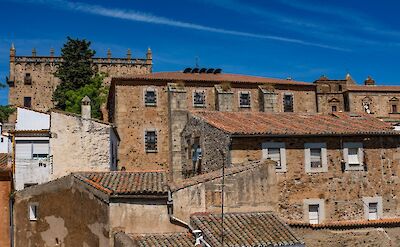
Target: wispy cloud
132, 15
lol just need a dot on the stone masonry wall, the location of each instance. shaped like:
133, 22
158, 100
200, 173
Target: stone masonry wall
78, 144
42, 69
68, 215
342, 191
247, 191
380, 103
213, 142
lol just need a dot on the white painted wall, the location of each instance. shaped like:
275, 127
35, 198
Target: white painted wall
3, 141
28, 169
31, 120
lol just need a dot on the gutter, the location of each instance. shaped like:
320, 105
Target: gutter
174, 220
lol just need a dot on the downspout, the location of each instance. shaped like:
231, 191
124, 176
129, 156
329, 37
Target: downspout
174, 220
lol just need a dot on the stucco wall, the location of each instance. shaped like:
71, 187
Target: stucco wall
341, 191
248, 191
141, 216
78, 144
68, 215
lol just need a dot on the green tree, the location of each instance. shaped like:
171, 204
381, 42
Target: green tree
75, 71
95, 90
78, 79
5, 110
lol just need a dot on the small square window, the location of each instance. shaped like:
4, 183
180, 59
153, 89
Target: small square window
244, 99
353, 157
276, 152
313, 213
151, 141
372, 207
28, 102
28, 79
33, 212
150, 98
199, 99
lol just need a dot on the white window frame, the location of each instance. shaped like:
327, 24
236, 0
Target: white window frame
346, 147
150, 89
307, 157
199, 105
281, 146
321, 209
367, 200
33, 211
244, 92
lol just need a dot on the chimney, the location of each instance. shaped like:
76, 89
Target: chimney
52, 52
33, 52
149, 56
129, 54
369, 81
85, 108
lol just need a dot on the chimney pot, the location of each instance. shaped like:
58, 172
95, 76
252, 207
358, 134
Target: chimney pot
86, 108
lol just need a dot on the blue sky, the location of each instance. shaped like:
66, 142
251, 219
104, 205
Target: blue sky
303, 39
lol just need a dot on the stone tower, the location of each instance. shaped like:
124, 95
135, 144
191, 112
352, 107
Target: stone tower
32, 81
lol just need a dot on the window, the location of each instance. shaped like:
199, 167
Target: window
28, 79
315, 157
244, 99
394, 108
150, 97
288, 103
28, 102
353, 155
276, 152
313, 213
372, 207
35, 149
314, 210
334, 108
199, 99
151, 141
33, 211
2, 139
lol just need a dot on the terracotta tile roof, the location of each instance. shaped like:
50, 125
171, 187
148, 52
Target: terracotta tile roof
216, 174
373, 88
4, 162
234, 78
292, 124
245, 229
126, 183
392, 222
165, 240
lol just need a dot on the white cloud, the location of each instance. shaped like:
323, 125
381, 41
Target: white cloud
132, 15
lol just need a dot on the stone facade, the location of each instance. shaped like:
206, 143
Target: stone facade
32, 81
342, 191
168, 116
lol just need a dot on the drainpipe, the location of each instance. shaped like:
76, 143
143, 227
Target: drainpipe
174, 220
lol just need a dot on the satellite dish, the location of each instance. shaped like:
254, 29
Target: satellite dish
187, 70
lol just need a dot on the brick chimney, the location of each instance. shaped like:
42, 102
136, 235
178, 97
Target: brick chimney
369, 81
85, 108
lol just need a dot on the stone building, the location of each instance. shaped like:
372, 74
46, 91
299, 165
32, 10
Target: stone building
50, 145
150, 111
145, 204
345, 95
337, 167
32, 81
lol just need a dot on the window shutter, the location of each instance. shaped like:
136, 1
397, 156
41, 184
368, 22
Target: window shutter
40, 148
23, 150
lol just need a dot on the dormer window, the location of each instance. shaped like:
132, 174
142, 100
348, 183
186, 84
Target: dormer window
28, 79
150, 97
199, 99
244, 99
